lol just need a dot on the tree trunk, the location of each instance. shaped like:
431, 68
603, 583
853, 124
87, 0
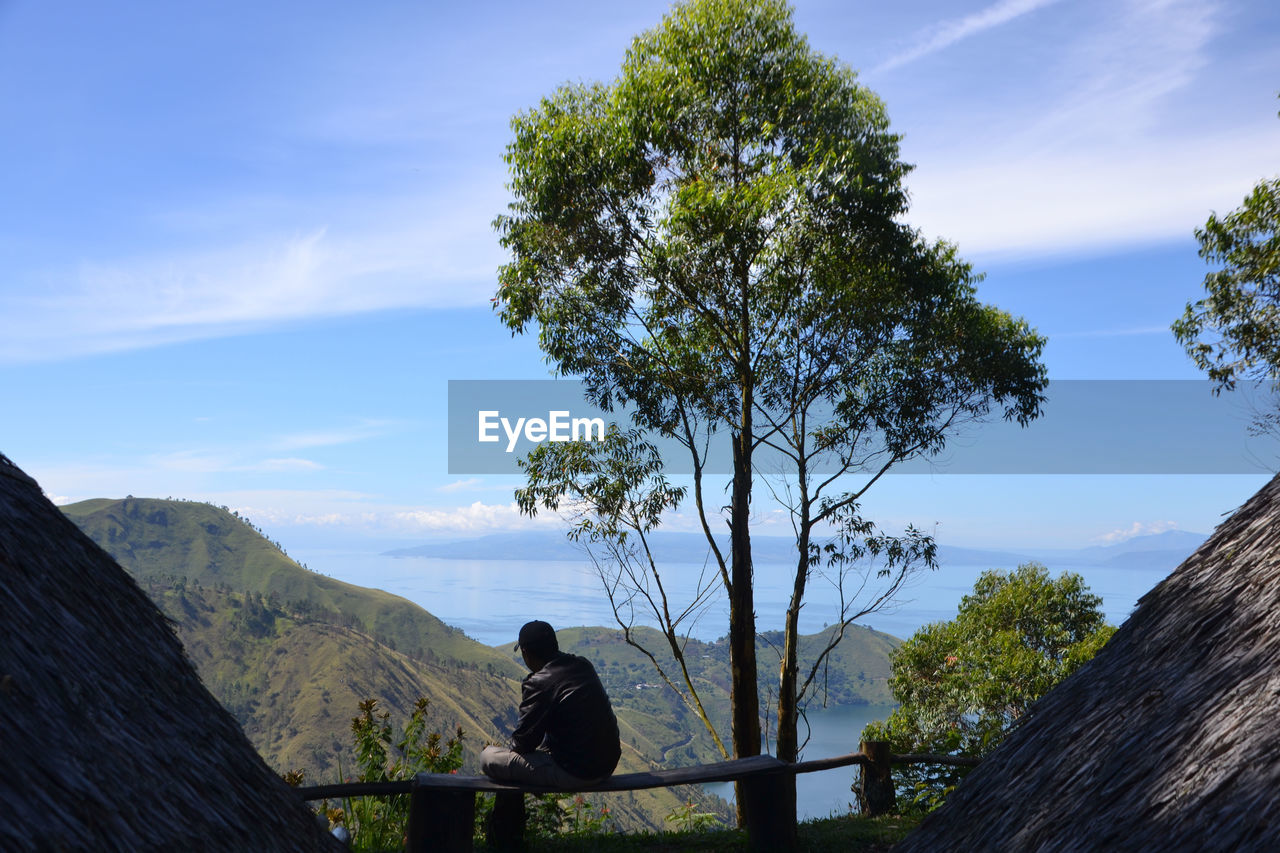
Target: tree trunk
788, 713
742, 616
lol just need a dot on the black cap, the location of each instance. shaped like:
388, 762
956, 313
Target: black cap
538, 637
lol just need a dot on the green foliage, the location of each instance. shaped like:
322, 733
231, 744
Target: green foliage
687, 818
583, 818
962, 684
544, 815
380, 823
553, 816
1234, 331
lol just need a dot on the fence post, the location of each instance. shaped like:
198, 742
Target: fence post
878, 796
768, 830
441, 820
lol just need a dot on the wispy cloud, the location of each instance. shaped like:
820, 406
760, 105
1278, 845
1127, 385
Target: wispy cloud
1137, 331
1113, 81
221, 461
1054, 200
391, 259
461, 485
1095, 145
187, 475
478, 484
365, 429
1138, 528
288, 464
946, 33
477, 517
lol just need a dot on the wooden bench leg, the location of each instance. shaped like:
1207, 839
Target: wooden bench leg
506, 823
441, 820
768, 828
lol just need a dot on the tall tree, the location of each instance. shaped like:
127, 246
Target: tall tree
715, 239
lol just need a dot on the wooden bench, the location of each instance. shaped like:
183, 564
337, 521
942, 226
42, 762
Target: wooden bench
442, 806
442, 809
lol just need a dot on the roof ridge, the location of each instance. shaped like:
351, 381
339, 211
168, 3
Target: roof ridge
9, 468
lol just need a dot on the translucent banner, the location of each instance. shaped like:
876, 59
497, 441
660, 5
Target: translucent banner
1087, 427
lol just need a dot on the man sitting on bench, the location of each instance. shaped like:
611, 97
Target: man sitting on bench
567, 735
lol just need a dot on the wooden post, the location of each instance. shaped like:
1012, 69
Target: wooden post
877, 792
505, 830
768, 829
441, 820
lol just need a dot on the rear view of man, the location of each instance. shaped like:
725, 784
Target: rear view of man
567, 735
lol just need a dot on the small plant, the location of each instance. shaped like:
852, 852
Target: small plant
380, 823
686, 818
544, 815
586, 819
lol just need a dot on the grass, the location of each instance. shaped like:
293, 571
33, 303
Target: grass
847, 834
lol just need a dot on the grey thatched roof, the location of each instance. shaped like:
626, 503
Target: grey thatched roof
108, 740
1168, 740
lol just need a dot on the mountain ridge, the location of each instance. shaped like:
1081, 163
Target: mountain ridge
672, 546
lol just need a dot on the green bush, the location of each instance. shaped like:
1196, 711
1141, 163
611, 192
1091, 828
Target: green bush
961, 685
381, 823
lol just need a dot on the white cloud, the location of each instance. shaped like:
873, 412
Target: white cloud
1055, 201
192, 461
365, 429
1085, 151
946, 33
1098, 143
459, 485
479, 484
275, 516
1138, 528
216, 461
1114, 81
287, 464
364, 514
392, 257
1136, 331
475, 518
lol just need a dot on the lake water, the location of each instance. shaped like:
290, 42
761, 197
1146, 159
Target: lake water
490, 599
833, 731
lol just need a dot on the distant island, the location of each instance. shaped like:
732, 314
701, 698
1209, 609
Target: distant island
1157, 550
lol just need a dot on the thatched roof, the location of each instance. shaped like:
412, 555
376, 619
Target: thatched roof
108, 740
1168, 740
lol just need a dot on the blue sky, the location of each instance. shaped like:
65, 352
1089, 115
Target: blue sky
245, 246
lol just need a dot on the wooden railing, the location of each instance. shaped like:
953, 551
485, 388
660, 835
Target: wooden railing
442, 808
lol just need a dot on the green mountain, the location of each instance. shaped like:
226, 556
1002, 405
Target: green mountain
163, 540
294, 683
292, 653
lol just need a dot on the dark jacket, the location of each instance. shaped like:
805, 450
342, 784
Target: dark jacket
564, 705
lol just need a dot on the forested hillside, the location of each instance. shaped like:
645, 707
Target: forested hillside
163, 540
